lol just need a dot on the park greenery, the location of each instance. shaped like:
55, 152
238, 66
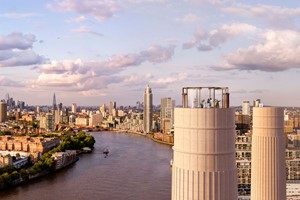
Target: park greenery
9, 175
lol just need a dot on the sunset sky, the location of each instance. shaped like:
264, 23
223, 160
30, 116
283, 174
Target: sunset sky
95, 51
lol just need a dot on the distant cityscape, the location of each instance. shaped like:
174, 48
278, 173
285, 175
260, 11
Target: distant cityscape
24, 129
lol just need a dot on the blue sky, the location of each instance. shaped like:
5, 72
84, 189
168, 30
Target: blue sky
94, 51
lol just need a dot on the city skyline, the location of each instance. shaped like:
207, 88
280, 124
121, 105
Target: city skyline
92, 52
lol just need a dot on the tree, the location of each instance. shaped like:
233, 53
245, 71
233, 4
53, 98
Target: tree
89, 141
18, 155
15, 175
24, 174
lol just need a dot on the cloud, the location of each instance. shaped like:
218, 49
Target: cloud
13, 58
84, 29
100, 9
154, 54
16, 50
207, 41
174, 78
8, 82
282, 17
147, 1
17, 15
93, 93
278, 51
16, 41
81, 75
188, 18
258, 91
213, 2
79, 19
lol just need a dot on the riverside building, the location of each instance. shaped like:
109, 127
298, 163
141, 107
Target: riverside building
204, 164
148, 110
167, 114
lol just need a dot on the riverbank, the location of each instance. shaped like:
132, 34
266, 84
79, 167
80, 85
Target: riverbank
143, 134
162, 142
97, 177
38, 176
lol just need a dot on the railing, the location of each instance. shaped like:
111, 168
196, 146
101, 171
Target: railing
205, 97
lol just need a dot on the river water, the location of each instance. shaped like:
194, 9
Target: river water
136, 169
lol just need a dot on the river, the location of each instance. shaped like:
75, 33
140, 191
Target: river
136, 169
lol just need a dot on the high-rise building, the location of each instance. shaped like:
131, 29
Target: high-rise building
49, 122
95, 119
167, 114
268, 176
148, 110
246, 108
54, 107
21, 104
3, 111
204, 149
138, 105
102, 108
74, 108
112, 105
57, 116
38, 109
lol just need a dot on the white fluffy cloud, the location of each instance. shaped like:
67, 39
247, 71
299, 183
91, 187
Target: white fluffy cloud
275, 15
87, 75
16, 50
154, 54
20, 58
100, 9
278, 51
16, 41
206, 41
174, 78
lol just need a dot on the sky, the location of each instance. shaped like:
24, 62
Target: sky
91, 52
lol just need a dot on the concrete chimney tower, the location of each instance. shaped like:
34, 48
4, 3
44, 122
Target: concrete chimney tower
268, 176
204, 150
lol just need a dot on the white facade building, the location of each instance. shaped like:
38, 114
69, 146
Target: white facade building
148, 110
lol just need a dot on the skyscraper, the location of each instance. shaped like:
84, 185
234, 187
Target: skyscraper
112, 105
246, 108
74, 108
103, 110
3, 111
204, 149
54, 107
167, 114
268, 176
148, 110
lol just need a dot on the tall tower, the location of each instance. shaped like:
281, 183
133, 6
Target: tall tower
204, 148
74, 108
268, 176
246, 108
54, 103
148, 110
112, 105
3, 111
167, 114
